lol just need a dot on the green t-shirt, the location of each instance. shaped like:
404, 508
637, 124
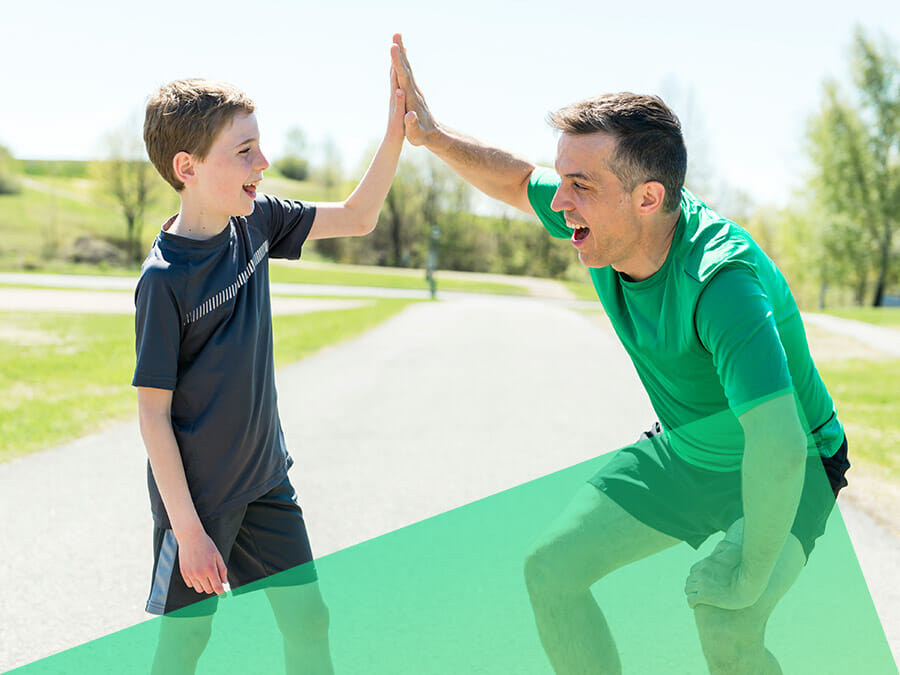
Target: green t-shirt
713, 333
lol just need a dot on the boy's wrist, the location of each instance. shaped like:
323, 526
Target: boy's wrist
187, 526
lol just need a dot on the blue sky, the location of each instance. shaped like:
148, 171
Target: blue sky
744, 77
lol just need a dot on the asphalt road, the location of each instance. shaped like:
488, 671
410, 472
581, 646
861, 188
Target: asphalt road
444, 404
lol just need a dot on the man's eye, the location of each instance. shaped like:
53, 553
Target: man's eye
579, 186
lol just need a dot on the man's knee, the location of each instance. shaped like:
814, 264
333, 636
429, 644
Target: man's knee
549, 570
730, 638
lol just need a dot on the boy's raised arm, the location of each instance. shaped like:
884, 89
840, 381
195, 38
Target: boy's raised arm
358, 214
202, 566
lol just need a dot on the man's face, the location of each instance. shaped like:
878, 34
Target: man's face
229, 175
595, 202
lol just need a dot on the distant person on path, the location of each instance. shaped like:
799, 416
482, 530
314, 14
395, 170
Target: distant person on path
223, 506
746, 432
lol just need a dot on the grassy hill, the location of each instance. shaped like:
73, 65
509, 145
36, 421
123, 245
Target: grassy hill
62, 201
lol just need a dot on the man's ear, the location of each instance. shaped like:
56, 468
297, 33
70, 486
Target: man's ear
183, 165
649, 197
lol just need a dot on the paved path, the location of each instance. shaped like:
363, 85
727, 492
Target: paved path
435, 408
881, 338
122, 302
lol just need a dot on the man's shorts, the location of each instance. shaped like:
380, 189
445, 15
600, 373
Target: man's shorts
258, 540
670, 495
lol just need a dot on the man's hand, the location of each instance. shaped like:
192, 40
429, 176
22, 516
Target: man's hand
419, 121
719, 580
201, 564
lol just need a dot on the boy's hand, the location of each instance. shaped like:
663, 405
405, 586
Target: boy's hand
396, 110
419, 122
201, 564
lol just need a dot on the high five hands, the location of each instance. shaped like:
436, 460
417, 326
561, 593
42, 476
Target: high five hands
419, 123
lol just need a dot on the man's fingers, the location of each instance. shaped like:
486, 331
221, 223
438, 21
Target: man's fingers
401, 63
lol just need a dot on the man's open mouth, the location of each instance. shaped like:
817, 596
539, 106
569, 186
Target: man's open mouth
581, 233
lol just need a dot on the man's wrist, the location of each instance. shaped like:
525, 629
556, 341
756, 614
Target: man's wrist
438, 139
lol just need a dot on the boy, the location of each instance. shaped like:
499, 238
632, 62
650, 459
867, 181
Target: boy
222, 504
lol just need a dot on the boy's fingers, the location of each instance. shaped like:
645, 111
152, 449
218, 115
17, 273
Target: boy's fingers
223, 571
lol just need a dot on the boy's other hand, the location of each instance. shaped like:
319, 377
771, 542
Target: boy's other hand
419, 122
201, 564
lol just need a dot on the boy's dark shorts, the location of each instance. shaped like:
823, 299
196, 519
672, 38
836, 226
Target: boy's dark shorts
258, 540
690, 503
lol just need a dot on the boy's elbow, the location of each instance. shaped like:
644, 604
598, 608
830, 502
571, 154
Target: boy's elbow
366, 226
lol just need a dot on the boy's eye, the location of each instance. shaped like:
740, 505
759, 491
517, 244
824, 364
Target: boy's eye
244, 151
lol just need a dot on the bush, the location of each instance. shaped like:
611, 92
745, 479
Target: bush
293, 167
9, 184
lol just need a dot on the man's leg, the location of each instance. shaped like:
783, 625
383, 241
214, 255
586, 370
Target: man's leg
591, 538
734, 640
302, 617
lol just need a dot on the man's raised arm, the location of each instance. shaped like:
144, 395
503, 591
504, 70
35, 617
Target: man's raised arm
497, 173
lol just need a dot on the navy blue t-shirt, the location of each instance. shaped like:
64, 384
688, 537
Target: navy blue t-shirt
203, 327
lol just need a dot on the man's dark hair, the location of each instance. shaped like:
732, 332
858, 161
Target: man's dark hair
649, 144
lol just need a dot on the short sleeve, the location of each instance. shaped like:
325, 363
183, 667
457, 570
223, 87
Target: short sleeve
735, 322
287, 222
541, 187
157, 328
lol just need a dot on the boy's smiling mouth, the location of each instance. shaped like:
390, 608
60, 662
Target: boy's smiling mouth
250, 188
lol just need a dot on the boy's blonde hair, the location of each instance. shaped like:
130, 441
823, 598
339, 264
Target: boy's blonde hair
186, 116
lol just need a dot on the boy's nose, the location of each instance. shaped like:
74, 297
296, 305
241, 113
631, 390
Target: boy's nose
262, 162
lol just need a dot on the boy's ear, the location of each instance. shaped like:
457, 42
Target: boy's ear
183, 164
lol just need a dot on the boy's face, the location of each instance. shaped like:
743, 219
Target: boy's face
227, 178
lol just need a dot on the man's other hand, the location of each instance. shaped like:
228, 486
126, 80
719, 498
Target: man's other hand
718, 580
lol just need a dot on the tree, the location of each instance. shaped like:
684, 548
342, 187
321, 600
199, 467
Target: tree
131, 179
401, 216
329, 171
8, 183
854, 144
294, 163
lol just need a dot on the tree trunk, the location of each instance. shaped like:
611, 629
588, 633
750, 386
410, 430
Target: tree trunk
883, 264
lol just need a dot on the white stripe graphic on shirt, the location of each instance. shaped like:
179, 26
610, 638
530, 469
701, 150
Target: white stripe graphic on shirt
228, 293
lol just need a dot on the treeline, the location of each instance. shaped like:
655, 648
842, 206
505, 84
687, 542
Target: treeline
430, 206
837, 241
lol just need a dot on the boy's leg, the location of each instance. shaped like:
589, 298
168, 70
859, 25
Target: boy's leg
183, 636
733, 641
591, 538
181, 642
302, 618
272, 544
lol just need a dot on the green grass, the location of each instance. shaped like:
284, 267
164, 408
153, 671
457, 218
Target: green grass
348, 275
880, 316
865, 394
37, 227
66, 375
582, 290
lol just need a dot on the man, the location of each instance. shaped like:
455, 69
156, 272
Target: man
746, 425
